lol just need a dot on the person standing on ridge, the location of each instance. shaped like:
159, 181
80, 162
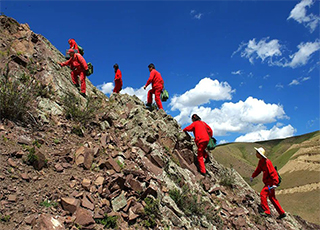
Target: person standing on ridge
157, 86
117, 79
73, 45
79, 67
202, 133
270, 180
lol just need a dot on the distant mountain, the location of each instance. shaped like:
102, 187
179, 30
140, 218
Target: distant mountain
298, 162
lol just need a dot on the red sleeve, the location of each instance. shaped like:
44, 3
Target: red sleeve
82, 61
152, 74
272, 172
66, 62
209, 130
258, 170
189, 128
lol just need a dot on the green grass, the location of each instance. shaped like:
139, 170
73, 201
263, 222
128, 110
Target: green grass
108, 221
284, 158
48, 204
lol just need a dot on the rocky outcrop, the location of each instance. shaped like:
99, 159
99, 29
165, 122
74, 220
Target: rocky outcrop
125, 168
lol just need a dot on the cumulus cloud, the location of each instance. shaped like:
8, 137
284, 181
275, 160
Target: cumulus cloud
107, 88
263, 49
299, 14
243, 116
264, 134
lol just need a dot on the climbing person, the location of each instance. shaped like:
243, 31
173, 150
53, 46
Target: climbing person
157, 86
73, 45
270, 180
117, 79
79, 67
202, 133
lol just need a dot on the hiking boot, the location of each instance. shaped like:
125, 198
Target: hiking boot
265, 214
83, 94
283, 215
207, 160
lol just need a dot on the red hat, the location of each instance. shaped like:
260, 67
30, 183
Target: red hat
70, 51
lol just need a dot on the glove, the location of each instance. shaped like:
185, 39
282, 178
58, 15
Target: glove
272, 187
251, 179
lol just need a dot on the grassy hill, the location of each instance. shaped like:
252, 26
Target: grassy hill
298, 161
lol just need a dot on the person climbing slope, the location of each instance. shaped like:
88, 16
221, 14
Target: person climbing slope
73, 45
157, 86
270, 180
117, 79
202, 133
79, 67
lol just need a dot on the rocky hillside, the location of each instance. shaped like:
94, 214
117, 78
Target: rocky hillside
70, 162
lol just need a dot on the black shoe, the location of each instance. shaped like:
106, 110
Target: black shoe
83, 94
281, 216
265, 214
77, 85
207, 160
148, 104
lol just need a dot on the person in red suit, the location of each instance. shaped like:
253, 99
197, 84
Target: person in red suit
270, 180
73, 44
202, 133
117, 79
79, 67
157, 86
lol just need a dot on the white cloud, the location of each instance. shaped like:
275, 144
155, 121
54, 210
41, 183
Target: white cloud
263, 49
294, 82
264, 134
107, 88
299, 13
195, 14
260, 86
239, 72
243, 116
279, 86
306, 78
304, 53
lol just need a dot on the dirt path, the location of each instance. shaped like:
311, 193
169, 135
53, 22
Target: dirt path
304, 188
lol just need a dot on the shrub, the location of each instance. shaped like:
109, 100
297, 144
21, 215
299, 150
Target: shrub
75, 111
151, 212
227, 177
108, 221
31, 157
15, 98
48, 203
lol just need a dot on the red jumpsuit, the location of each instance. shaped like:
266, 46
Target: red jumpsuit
270, 177
202, 133
117, 81
78, 66
157, 86
73, 44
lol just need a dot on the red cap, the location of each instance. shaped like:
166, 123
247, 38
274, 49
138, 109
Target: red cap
70, 51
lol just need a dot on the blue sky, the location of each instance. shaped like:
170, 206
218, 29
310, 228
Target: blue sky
250, 69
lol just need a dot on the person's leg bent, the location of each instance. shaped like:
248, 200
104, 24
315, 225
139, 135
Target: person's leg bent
263, 197
74, 77
149, 99
275, 202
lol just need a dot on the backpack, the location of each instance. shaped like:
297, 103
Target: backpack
164, 95
81, 50
280, 178
212, 143
90, 69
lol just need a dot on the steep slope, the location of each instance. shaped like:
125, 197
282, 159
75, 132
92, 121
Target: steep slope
97, 162
298, 161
